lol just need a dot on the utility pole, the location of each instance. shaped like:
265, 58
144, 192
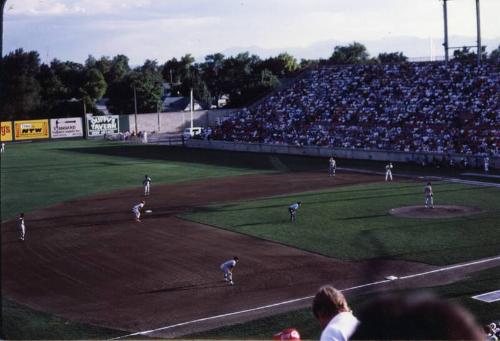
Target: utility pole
135, 110
445, 44
85, 122
478, 22
191, 106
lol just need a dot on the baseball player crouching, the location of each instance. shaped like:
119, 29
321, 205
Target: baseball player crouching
292, 209
227, 269
137, 210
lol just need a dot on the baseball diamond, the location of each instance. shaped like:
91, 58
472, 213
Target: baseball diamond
87, 255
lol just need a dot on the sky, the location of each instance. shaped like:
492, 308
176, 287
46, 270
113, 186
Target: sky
163, 29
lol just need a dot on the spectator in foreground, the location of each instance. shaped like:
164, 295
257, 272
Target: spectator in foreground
416, 317
334, 315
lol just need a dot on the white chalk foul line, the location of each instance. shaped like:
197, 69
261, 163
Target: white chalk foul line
304, 298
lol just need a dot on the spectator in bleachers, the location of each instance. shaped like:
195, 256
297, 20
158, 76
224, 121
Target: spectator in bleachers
416, 317
423, 107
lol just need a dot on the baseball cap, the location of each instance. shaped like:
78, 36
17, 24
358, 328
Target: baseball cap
287, 334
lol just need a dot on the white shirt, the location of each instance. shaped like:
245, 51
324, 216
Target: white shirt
228, 265
294, 206
137, 207
340, 328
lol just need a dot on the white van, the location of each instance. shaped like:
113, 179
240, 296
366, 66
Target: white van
190, 132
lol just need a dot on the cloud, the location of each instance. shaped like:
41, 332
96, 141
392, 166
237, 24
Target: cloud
71, 7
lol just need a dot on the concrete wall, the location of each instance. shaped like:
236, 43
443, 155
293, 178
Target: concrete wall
326, 152
173, 122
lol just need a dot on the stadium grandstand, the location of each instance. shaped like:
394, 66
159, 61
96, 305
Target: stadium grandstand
423, 107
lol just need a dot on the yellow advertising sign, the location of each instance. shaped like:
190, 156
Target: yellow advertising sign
29, 130
6, 131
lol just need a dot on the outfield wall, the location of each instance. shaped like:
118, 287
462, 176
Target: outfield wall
173, 122
326, 152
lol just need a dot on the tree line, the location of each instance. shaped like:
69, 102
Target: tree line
31, 89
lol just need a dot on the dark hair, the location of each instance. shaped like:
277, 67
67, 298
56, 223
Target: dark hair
328, 302
236, 258
415, 317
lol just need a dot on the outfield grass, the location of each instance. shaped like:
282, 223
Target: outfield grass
304, 321
353, 223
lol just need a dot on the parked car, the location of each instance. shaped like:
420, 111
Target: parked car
191, 132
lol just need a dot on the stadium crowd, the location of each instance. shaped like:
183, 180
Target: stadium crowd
423, 107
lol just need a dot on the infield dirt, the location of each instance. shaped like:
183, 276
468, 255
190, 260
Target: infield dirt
87, 260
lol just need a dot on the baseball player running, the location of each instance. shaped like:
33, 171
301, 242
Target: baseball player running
137, 210
21, 228
227, 268
388, 171
429, 201
332, 166
147, 184
292, 209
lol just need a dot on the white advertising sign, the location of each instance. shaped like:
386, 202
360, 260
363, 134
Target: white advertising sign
100, 125
66, 127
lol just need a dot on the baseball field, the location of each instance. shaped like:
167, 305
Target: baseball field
87, 270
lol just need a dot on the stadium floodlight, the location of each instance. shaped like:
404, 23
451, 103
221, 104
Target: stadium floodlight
478, 25
445, 17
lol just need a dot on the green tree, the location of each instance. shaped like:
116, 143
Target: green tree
146, 80
392, 57
19, 87
465, 55
354, 53
495, 55
93, 87
281, 66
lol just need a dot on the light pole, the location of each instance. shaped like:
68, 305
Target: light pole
85, 122
478, 24
135, 110
2, 6
445, 17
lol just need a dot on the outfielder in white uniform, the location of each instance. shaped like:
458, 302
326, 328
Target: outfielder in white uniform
388, 171
21, 228
2, 148
486, 164
227, 269
147, 184
332, 166
137, 210
429, 201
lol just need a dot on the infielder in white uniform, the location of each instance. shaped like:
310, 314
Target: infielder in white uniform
429, 201
332, 166
486, 164
2, 148
147, 184
227, 269
292, 209
388, 171
21, 228
137, 210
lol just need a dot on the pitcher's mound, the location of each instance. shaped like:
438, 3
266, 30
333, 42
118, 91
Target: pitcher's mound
439, 211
